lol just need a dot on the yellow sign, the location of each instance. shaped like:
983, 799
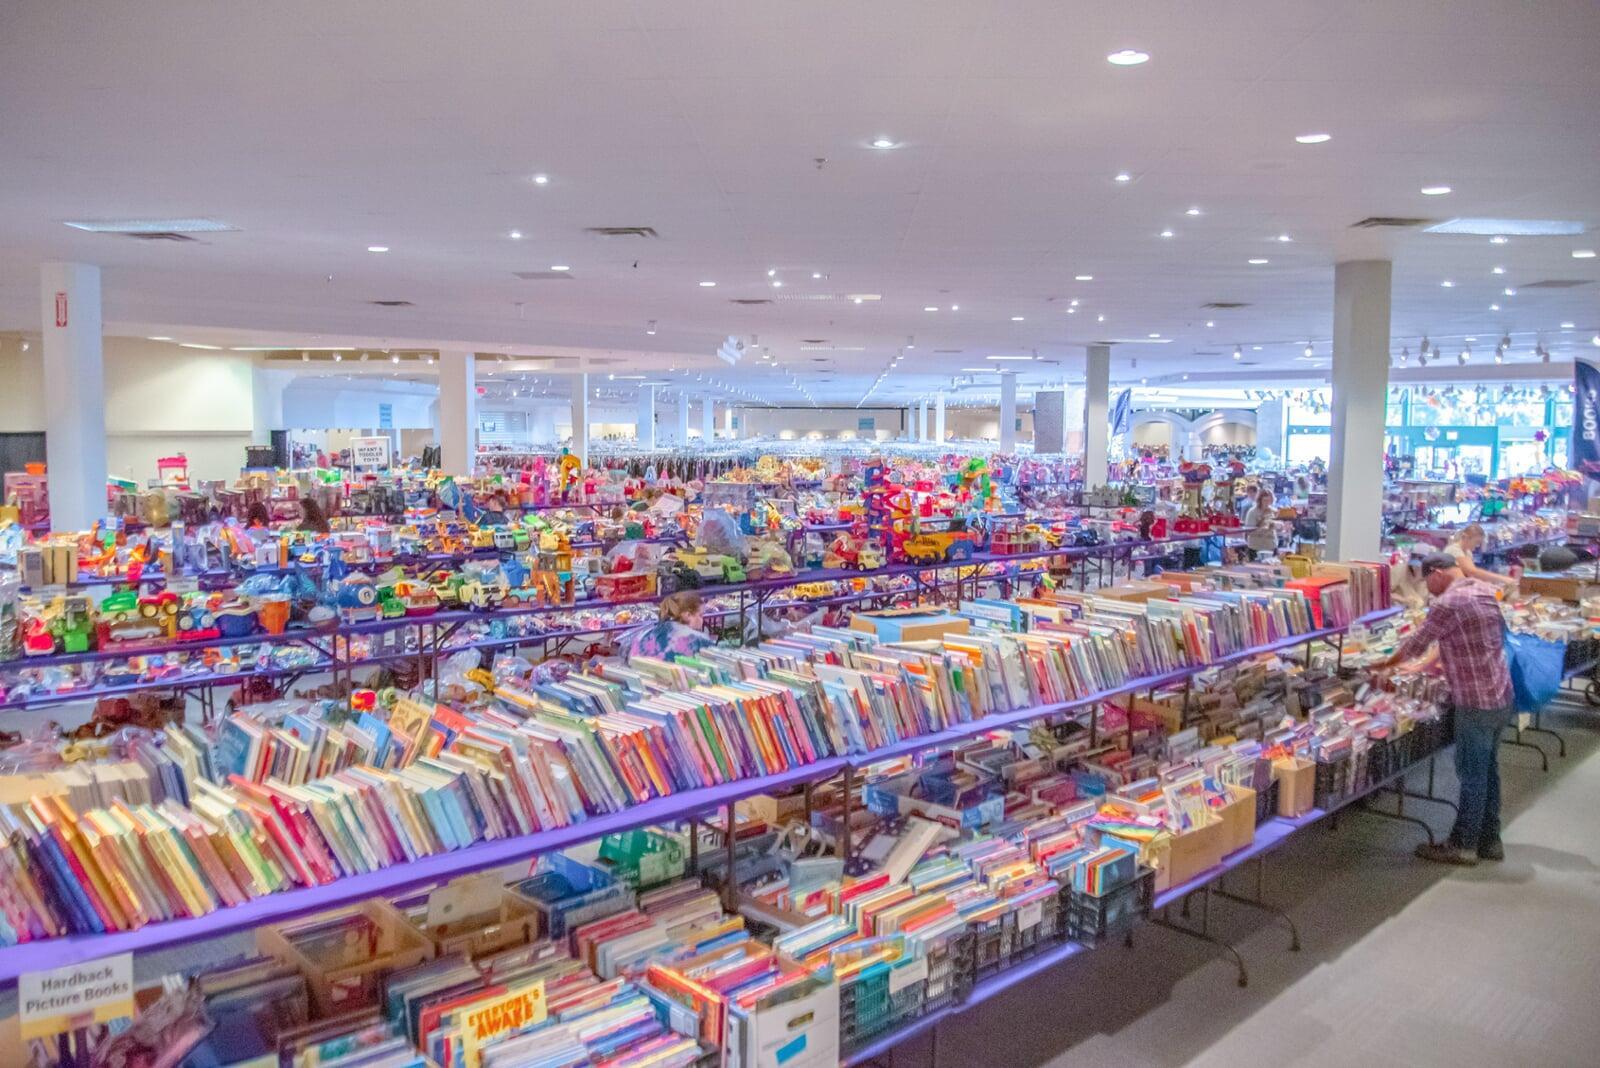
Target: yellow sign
78, 995
516, 1010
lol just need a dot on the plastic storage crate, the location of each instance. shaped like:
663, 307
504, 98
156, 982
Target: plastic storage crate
1335, 781
868, 1006
950, 970
1267, 802
1090, 919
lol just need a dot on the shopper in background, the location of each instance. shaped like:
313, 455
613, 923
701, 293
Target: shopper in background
494, 511
1467, 541
680, 630
311, 518
256, 517
1261, 536
1465, 621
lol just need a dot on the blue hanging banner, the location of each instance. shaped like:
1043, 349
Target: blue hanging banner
1586, 419
1122, 413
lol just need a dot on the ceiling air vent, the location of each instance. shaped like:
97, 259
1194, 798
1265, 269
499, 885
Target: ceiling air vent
1391, 222
543, 276
813, 341
621, 231
392, 303
1557, 283
749, 300
160, 235
948, 352
1224, 305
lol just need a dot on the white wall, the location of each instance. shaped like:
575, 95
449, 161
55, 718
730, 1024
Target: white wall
160, 400
1228, 434
319, 404
831, 423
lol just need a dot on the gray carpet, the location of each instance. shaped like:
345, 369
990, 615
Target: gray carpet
1404, 963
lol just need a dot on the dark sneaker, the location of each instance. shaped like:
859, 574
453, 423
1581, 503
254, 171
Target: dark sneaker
1445, 853
1492, 851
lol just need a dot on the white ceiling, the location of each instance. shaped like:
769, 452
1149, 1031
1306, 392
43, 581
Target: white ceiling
318, 129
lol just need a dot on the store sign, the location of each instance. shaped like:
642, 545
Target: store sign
866, 422
61, 308
369, 452
1586, 419
53, 1002
385, 417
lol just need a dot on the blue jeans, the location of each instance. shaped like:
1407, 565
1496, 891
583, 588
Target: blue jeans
1478, 768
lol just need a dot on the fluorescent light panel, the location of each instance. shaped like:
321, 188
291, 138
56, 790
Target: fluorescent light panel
150, 226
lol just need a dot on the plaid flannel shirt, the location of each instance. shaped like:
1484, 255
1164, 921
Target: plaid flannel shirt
1465, 620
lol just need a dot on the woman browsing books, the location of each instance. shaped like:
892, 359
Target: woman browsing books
680, 630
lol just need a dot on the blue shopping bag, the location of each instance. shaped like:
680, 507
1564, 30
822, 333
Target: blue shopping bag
1536, 667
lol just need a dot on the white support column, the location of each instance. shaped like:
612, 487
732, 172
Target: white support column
708, 418
580, 418
681, 434
1096, 401
458, 412
645, 426
266, 402
938, 418
74, 393
1008, 412
727, 419
1361, 294
921, 431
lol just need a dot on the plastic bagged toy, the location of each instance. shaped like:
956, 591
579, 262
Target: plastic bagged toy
719, 533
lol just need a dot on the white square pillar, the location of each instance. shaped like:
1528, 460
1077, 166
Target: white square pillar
580, 418
708, 418
938, 418
1361, 294
645, 425
681, 432
458, 412
1008, 412
1096, 402
74, 393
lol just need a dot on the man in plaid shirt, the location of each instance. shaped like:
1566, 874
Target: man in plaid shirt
1465, 621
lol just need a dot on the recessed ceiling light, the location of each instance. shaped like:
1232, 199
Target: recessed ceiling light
1435, 190
395, 358
515, 235
541, 179
955, 307
191, 345
1510, 292
1494, 307
1128, 57
816, 275
1583, 253
158, 339
1567, 326
1154, 335
931, 307
151, 226
338, 357
1124, 176
377, 248
1238, 353
1008, 357
1313, 138
707, 285
1448, 284
1497, 270
1099, 318
1257, 261
1166, 233
1210, 322
1016, 318
1285, 238
1499, 239
1255, 348
1083, 277
1192, 211
1072, 311
882, 142
778, 284
559, 267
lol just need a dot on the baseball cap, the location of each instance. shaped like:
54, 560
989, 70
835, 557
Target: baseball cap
1437, 562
